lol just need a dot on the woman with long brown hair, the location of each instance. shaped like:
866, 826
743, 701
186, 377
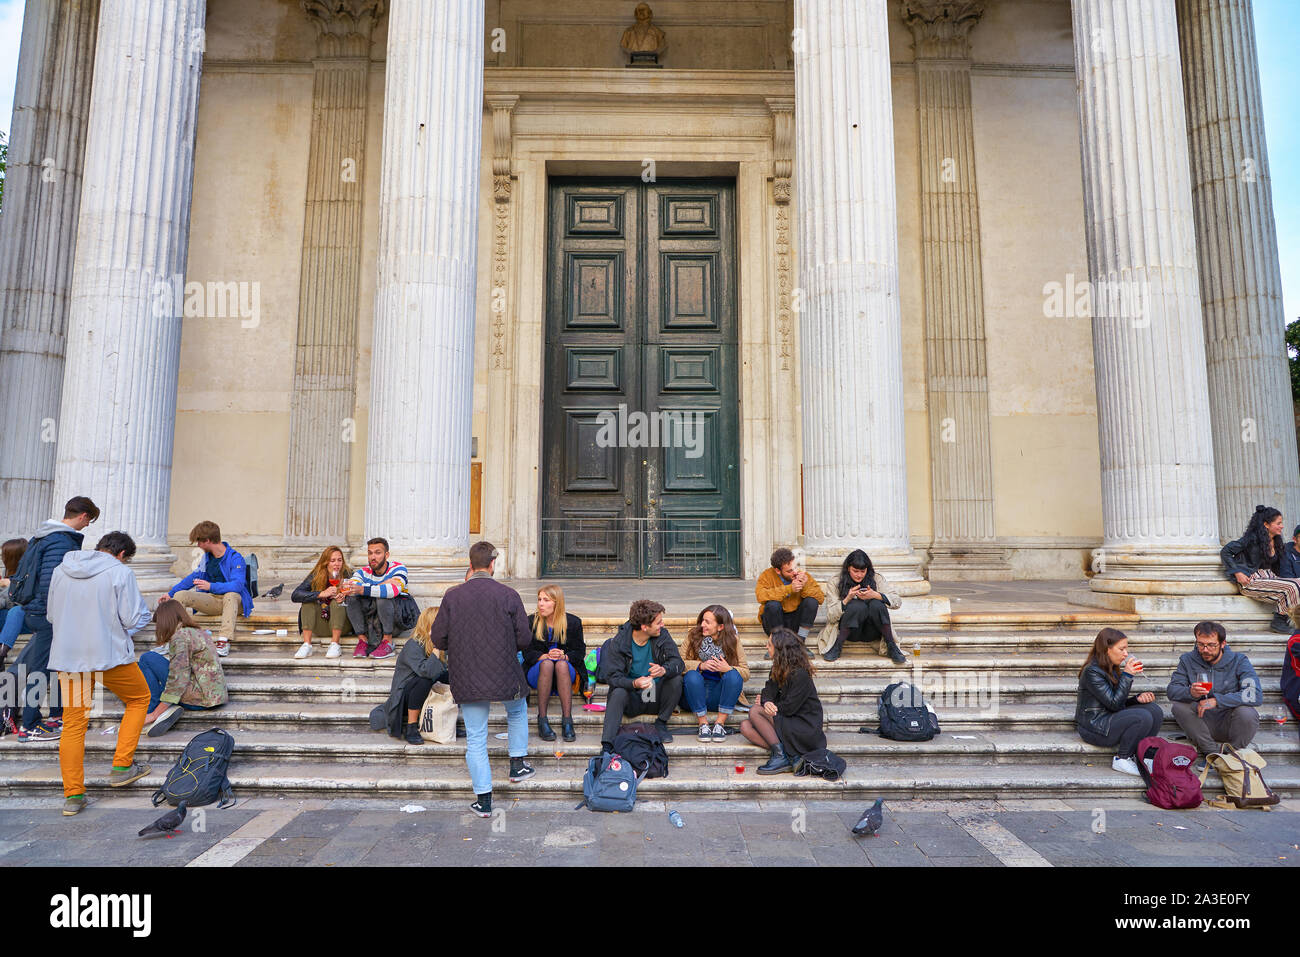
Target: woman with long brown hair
184, 674
787, 718
1106, 713
716, 670
554, 659
322, 613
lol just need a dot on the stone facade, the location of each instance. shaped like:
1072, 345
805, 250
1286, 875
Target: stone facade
914, 246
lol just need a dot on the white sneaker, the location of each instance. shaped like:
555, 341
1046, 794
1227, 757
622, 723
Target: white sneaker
1126, 766
304, 651
335, 651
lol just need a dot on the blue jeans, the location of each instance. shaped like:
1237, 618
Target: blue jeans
156, 668
13, 625
706, 691
476, 732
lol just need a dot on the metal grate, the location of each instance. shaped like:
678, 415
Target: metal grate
662, 547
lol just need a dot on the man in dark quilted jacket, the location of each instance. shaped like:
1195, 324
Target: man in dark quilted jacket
482, 626
54, 539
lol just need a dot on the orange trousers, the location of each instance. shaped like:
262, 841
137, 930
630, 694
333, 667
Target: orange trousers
77, 690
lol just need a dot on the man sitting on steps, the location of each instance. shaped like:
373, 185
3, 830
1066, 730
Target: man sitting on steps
788, 597
372, 595
643, 668
218, 586
1221, 711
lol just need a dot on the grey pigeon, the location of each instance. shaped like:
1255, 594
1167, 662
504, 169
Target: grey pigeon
274, 592
871, 820
168, 823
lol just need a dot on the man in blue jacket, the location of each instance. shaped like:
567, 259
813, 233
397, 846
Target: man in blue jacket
1225, 712
217, 586
51, 542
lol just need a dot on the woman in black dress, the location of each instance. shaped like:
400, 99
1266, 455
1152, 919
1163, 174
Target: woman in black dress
554, 659
787, 718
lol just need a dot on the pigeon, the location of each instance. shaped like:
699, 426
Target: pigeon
168, 824
274, 592
871, 820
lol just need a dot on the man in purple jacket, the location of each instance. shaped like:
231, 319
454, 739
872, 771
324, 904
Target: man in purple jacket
482, 626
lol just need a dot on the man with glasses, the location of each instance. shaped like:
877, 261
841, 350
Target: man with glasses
1214, 692
44, 554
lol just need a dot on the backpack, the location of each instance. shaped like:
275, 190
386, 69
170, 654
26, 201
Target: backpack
821, 764
1243, 785
250, 575
609, 784
22, 584
640, 745
1166, 768
199, 775
408, 613
1291, 676
905, 715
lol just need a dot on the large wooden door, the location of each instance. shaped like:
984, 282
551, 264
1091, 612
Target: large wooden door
640, 413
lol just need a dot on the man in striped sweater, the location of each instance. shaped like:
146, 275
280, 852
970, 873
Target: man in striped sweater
372, 600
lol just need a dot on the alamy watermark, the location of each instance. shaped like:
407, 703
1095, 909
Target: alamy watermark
208, 300
663, 429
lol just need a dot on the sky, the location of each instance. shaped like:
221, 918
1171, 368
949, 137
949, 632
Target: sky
1277, 31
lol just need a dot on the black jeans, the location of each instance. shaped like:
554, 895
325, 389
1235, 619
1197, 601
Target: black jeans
622, 703
801, 617
1127, 728
363, 612
35, 658
866, 620
417, 689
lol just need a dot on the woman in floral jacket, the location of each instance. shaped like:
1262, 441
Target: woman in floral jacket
184, 674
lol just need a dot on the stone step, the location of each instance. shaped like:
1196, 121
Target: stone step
318, 717
413, 782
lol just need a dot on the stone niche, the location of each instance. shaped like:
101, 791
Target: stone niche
701, 34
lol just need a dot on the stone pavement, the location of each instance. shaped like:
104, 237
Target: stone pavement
320, 833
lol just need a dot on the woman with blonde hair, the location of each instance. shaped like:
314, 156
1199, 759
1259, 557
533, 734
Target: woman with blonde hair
184, 673
323, 614
716, 670
417, 670
554, 659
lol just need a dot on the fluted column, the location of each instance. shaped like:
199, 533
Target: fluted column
38, 236
324, 399
961, 458
1251, 417
422, 376
854, 454
124, 325
1160, 521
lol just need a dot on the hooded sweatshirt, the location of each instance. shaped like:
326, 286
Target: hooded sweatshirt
1235, 681
95, 607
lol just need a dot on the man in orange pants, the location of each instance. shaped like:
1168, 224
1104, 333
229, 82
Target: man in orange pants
96, 607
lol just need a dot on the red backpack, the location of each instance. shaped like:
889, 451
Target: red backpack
1170, 781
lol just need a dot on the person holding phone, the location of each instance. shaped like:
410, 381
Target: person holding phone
1215, 692
554, 659
858, 610
1106, 711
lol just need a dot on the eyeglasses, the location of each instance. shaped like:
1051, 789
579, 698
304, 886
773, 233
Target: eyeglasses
1212, 646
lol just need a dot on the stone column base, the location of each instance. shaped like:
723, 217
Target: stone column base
152, 566
974, 562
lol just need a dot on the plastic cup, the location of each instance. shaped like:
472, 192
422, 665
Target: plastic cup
740, 767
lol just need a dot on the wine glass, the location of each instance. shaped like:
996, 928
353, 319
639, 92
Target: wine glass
1280, 716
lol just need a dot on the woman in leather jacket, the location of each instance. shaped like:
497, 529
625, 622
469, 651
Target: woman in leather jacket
1254, 562
1107, 714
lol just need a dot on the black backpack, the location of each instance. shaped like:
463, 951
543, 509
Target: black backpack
821, 764
905, 715
199, 775
22, 584
640, 746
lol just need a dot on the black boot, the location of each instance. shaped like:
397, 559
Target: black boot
1281, 624
891, 646
777, 764
412, 735
566, 729
544, 729
834, 651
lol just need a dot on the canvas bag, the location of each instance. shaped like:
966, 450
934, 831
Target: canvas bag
1243, 784
438, 716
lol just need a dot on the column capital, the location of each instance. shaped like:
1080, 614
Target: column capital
502, 107
941, 28
782, 109
344, 27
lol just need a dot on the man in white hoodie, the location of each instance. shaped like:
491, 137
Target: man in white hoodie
96, 607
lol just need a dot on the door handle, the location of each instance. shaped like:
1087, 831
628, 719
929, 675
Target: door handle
653, 502
627, 501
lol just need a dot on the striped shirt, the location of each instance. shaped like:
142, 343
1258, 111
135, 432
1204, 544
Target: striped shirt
388, 585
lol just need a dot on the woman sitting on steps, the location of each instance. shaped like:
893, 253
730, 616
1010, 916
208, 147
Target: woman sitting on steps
1254, 561
323, 614
716, 670
1106, 714
554, 659
185, 674
858, 610
787, 718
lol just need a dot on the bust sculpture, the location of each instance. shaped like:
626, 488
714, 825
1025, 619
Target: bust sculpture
644, 41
